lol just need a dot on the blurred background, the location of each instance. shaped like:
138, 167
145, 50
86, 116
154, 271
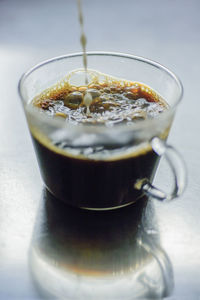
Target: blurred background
167, 31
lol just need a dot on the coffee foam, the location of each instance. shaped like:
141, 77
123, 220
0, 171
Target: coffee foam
74, 79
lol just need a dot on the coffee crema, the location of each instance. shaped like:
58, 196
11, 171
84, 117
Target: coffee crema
113, 101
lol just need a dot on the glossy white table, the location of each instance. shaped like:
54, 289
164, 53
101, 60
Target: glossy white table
31, 31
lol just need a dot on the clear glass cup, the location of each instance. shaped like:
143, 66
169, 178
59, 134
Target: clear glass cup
124, 175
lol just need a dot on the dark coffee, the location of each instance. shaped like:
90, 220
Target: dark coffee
90, 183
102, 176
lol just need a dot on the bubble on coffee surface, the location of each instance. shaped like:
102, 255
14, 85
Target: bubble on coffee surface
104, 100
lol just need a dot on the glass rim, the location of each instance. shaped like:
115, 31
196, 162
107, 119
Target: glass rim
134, 126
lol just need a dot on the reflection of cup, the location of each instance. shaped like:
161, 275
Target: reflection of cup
127, 171
79, 254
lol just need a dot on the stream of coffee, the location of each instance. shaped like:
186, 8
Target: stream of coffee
83, 39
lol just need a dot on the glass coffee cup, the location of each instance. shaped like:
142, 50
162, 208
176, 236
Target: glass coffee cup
126, 173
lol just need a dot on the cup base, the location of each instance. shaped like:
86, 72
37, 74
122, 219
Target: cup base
112, 207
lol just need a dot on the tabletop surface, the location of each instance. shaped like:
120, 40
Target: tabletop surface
32, 31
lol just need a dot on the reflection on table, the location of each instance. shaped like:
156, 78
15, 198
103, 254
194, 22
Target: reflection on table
81, 254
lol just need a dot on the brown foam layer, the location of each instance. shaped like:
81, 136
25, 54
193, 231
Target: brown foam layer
113, 101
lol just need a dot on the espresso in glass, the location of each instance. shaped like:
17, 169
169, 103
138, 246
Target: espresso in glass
102, 175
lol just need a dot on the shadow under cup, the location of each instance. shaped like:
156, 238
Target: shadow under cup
127, 171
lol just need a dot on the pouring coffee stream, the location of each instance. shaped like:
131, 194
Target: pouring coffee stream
83, 39
87, 99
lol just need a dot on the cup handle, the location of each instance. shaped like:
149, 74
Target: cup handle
177, 166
